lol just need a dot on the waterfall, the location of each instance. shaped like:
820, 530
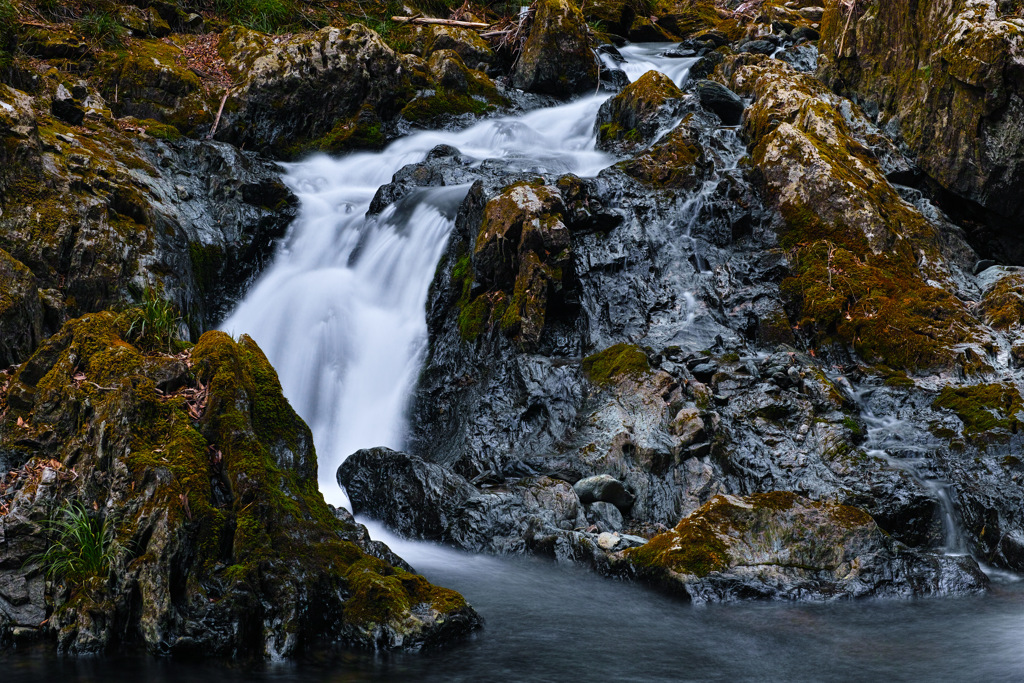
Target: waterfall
340, 311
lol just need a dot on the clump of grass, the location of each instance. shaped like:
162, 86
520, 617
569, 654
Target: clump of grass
266, 16
82, 547
155, 322
102, 29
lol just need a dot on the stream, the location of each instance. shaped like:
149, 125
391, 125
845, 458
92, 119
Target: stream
340, 314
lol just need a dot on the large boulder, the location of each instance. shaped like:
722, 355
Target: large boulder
634, 118
296, 89
558, 57
948, 77
780, 545
220, 542
413, 497
898, 265
102, 213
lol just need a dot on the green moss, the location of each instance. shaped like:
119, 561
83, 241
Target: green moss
675, 162
444, 102
983, 407
614, 363
1002, 306
693, 547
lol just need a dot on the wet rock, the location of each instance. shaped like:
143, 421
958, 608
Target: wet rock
295, 91
233, 551
781, 546
967, 132
605, 516
413, 497
635, 117
21, 314
558, 57
604, 488
717, 98
677, 161
65, 108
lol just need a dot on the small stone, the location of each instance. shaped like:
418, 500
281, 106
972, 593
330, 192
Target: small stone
607, 541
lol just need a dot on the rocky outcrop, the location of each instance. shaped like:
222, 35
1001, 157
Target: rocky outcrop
781, 546
21, 312
296, 90
99, 214
220, 543
558, 57
948, 78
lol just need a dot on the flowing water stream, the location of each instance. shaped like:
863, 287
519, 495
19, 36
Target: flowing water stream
340, 314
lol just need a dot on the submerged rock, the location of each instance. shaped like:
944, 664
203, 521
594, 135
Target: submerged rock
221, 544
780, 545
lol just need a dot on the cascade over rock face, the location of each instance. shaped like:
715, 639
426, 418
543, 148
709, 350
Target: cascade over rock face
222, 543
948, 78
558, 57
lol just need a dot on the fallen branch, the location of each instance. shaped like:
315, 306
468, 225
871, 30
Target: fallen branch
441, 22
220, 110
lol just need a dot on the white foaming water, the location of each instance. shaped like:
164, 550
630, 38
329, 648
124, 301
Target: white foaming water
340, 312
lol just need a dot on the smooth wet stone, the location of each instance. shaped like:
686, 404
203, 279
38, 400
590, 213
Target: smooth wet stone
604, 488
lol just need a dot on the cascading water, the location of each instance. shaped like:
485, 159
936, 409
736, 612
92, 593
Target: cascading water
340, 313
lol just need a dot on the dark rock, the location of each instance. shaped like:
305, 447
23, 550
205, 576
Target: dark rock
413, 497
558, 57
805, 33
759, 47
605, 516
65, 108
704, 66
634, 118
724, 102
604, 488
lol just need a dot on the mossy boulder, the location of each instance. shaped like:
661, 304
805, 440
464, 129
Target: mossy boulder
1002, 303
298, 89
947, 75
209, 479
677, 161
456, 91
558, 57
858, 274
634, 117
780, 545
616, 363
147, 79
474, 50
520, 263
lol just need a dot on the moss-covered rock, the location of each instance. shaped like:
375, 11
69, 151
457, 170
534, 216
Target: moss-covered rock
858, 277
558, 57
298, 89
634, 117
616, 363
676, 161
783, 546
947, 74
520, 262
209, 478
21, 324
